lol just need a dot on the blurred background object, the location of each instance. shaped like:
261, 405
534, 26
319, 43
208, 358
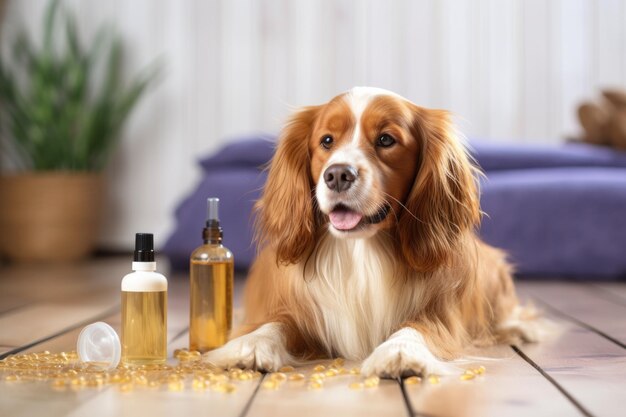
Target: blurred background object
512, 71
60, 124
604, 120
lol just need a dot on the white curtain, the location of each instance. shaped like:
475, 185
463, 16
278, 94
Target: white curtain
509, 70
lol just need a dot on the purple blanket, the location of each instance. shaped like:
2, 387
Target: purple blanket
556, 210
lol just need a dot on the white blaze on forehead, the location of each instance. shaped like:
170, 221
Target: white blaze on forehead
358, 98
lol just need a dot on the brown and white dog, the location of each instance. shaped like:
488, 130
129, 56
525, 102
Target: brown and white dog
368, 245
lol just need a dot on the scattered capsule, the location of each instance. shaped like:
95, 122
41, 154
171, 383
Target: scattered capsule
244, 377
319, 368
356, 385
59, 384
126, 387
371, 382
198, 384
331, 372
11, 377
433, 379
270, 384
316, 384
318, 375
480, 370
467, 376
286, 369
225, 387
176, 386
278, 376
339, 362
412, 380
296, 377
355, 371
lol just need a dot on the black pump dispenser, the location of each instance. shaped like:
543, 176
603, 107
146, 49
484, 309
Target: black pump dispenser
212, 232
144, 247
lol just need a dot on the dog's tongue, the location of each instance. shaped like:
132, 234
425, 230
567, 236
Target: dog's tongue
344, 219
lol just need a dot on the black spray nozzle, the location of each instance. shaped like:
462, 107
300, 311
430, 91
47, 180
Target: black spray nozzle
144, 247
212, 232
212, 211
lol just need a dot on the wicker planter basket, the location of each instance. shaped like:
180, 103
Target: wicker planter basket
49, 216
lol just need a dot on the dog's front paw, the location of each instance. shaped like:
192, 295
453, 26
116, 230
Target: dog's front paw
404, 353
263, 349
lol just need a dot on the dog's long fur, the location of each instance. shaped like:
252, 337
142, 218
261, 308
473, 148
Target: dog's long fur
408, 292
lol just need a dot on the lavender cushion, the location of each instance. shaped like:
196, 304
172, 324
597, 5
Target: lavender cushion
558, 222
508, 156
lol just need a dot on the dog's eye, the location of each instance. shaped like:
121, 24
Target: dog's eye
327, 141
385, 141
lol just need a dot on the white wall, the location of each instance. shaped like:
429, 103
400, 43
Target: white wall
509, 69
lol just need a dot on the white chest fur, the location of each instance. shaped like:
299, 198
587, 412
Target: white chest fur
358, 297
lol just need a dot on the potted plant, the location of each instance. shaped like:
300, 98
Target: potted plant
59, 126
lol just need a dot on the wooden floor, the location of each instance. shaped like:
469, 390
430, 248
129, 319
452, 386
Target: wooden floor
580, 372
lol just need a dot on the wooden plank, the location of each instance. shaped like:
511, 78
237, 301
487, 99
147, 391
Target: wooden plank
162, 403
589, 367
336, 398
596, 311
496, 393
38, 398
38, 322
617, 289
156, 403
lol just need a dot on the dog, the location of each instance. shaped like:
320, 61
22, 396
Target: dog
368, 250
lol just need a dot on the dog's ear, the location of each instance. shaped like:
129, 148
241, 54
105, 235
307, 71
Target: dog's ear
444, 201
286, 218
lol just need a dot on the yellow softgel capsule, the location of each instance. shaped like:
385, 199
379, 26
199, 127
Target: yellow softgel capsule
316, 385
413, 380
245, 377
296, 377
356, 385
286, 369
271, 384
126, 387
59, 384
224, 387
319, 368
197, 384
433, 379
467, 377
318, 375
371, 382
11, 378
278, 376
480, 370
339, 362
176, 386
355, 371
228, 388
220, 377
331, 372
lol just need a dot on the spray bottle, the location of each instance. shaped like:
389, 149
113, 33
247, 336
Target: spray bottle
211, 291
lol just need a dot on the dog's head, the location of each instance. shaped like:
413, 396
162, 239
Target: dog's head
366, 161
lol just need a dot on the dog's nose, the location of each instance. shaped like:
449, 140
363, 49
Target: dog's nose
339, 177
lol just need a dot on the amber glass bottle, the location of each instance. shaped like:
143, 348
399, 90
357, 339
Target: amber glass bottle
211, 291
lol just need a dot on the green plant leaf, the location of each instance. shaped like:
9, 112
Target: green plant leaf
60, 117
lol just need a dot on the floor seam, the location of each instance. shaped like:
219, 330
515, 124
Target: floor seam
558, 386
60, 333
608, 295
248, 405
580, 323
